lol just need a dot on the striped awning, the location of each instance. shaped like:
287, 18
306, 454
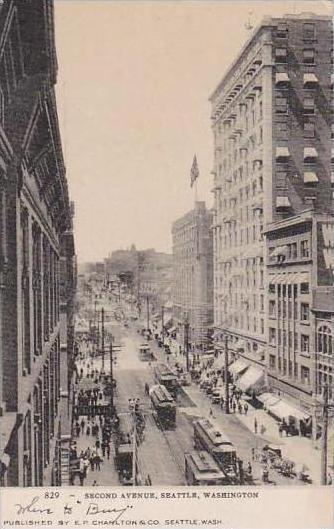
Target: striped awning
310, 177
282, 152
283, 202
253, 378
282, 77
310, 152
310, 78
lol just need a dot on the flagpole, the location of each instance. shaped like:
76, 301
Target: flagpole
195, 190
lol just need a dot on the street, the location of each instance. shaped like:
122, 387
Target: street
160, 453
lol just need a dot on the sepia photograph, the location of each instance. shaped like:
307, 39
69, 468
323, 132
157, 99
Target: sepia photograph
166, 245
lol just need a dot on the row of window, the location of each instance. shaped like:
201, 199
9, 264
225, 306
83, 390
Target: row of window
282, 104
284, 309
289, 290
287, 367
308, 31
308, 56
290, 252
309, 129
281, 337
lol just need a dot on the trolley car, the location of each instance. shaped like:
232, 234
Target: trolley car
164, 376
208, 436
201, 469
145, 353
164, 407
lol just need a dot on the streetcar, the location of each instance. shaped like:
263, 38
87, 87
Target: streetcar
145, 353
201, 469
166, 377
208, 436
164, 407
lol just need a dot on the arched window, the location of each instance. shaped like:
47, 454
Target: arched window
325, 340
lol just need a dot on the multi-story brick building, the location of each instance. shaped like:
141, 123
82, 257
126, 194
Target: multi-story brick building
35, 220
193, 274
272, 122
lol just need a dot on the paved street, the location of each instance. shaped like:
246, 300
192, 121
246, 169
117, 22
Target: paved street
161, 452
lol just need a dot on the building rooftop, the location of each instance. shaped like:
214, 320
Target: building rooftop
266, 21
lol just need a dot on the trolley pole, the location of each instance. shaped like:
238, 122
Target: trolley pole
324, 438
227, 393
148, 312
102, 338
186, 341
163, 324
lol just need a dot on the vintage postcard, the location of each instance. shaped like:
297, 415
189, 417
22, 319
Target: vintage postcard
166, 264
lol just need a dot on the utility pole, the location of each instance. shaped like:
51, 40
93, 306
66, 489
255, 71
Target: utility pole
186, 341
163, 325
324, 438
227, 393
111, 374
102, 338
148, 312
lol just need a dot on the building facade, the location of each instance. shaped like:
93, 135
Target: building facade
272, 120
34, 217
193, 275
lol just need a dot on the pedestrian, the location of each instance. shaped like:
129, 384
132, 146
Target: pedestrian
77, 429
253, 454
246, 408
329, 479
98, 459
88, 429
239, 408
249, 469
92, 460
82, 424
255, 425
262, 429
211, 412
108, 450
234, 406
280, 429
103, 446
94, 483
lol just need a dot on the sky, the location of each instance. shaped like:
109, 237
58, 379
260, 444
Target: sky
133, 91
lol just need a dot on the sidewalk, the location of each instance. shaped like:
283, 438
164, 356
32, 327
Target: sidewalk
300, 450
108, 475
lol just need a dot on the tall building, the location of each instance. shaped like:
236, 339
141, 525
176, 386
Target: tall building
193, 275
35, 237
272, 119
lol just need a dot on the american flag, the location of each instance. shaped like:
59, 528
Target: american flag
194, 172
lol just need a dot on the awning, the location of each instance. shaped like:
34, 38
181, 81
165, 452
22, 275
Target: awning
268, 399
279, 251
5, 460
284, 410
282, 77
238, 367
310, 78
282, 202
219, 362
254, 377
168, 323
282, 152
241, 344
310, 152
310, 177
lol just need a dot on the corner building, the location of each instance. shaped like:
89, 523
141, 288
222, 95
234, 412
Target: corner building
35, 218
272, 119
193, 275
